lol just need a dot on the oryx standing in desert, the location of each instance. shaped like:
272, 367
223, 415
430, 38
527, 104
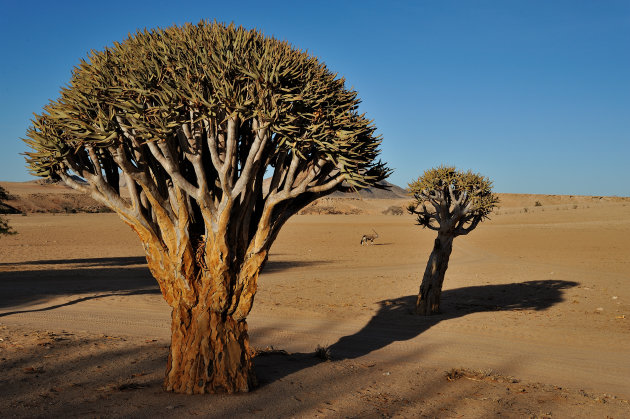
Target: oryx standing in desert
369, 238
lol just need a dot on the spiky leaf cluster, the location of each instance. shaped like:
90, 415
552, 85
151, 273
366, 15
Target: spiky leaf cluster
4, 224
3, 194
197, 116
157, 81
458, 200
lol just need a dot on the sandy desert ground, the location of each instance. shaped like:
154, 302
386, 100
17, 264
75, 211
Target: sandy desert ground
535, 322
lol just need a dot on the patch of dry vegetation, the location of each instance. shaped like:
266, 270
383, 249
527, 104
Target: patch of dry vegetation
331, 206
393, 210
488, 375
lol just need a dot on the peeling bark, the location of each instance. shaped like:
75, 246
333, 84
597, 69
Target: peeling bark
209, 353
210, 299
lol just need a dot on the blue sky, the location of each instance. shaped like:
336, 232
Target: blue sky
533, 94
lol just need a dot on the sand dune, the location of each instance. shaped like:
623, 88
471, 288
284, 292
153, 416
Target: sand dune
536, 317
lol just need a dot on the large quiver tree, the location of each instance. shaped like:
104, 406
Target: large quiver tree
458, 202
190, 120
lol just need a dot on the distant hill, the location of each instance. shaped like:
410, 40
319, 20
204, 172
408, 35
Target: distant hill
41, 196
392, 192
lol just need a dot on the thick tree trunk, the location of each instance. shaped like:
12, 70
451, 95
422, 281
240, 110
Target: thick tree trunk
428, 301
209, 353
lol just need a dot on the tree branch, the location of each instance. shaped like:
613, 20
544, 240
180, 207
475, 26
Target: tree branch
288, 182
278, 172
253, 159
231, 143
212, 146
335, 181
462, 231
141, 178
163, 156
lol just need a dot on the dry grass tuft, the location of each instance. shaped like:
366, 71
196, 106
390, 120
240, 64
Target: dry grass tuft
323, 353
393, 210
455, 374
269, 350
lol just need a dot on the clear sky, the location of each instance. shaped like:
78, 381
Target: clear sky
534, 94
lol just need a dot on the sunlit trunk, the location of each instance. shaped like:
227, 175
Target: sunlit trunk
210, 300
428, 301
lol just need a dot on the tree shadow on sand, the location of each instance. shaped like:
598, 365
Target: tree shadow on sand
36, 282
86, 279
396, 321
99, 262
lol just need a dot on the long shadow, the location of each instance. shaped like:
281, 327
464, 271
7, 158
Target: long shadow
395, 321
61, 374
118, 261
24, 284
80, 300
23, 288
37, 281
273, 266
270, 266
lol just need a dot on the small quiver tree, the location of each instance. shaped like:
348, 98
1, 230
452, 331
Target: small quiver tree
458, 202
190, 120
4, 224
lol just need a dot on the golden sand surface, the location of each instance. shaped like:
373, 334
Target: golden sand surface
535, 318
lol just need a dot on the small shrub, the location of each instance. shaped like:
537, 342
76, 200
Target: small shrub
393, 210
329, 210
454, 374
323, 353
575, 206
538, 204
68, 209
5, 228
525, 209
478, 375
269, 350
